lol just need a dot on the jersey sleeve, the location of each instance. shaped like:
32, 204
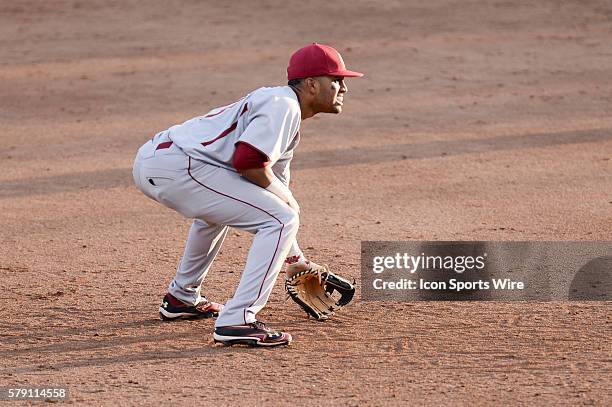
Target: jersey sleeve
272, 123
246, 157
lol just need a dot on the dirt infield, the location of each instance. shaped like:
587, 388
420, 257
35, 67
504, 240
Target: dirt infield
476, 120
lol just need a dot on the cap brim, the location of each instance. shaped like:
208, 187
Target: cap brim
348, 74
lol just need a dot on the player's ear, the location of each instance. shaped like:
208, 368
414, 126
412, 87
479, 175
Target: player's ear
312, 85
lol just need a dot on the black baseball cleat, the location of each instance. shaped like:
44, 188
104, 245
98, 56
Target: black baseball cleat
172, 309
253, 334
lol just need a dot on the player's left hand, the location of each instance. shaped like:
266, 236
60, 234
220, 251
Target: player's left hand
319, 291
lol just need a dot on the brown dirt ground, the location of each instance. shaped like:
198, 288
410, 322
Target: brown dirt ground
477, 120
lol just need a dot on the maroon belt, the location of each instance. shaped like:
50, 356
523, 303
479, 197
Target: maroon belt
165, 144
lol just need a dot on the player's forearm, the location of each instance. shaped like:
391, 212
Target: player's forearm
265, 178
259, 176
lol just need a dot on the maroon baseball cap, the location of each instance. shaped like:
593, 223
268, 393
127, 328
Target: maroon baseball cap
317, 60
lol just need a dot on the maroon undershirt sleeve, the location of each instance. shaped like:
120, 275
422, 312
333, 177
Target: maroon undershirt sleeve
247, 157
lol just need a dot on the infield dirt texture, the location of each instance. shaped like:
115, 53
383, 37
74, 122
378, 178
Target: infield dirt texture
476, 120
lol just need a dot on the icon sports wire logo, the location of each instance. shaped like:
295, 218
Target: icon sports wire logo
412, 263
486, 270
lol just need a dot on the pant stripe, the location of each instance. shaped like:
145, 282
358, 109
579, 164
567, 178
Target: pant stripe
256, 207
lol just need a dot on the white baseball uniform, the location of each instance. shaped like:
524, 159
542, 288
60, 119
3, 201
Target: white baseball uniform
189, 168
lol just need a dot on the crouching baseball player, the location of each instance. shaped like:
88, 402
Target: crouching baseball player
230, 168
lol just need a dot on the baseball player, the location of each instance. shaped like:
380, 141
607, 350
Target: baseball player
230, 168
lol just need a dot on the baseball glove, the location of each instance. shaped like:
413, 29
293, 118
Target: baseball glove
319, 291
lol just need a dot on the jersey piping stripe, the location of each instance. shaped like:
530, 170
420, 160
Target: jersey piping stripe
165, 144
228, 130
222, 110
256, 207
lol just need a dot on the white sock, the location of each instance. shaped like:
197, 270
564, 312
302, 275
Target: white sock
296, 257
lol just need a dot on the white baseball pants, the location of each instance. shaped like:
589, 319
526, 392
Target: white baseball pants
218, 198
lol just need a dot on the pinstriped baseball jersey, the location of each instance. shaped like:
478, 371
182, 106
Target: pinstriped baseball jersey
268, 119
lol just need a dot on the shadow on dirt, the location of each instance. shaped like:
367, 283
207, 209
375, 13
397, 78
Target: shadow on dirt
122, 177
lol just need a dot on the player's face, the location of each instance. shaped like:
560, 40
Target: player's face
331, 94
